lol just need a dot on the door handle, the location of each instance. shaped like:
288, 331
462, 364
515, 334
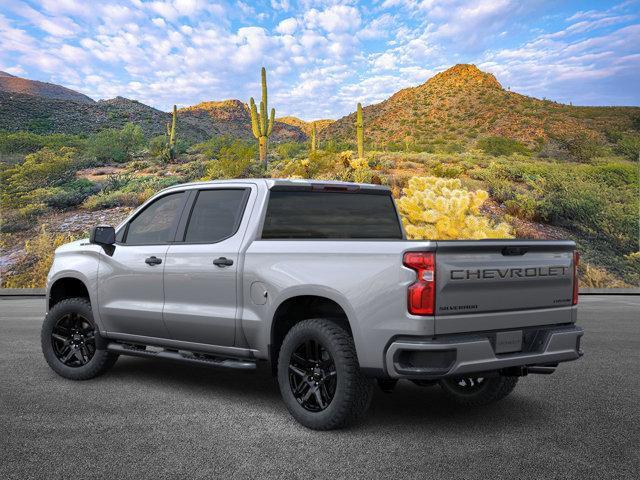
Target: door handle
223, 262
153, 261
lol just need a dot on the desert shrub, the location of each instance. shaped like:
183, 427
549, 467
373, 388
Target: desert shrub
28, 142
39, 256
289, 150
116, 145
213, 147
191, 171
68, 195
599, 201
232, 160
594, 277
629, 146
447, 170
157, 145
436, 208
581, 146
115, 199
319, 164
23, 218
498, 146
523, 206
43, 169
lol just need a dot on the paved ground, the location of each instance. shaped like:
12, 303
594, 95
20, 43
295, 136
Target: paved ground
147, 419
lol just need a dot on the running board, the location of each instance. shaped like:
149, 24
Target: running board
182, 356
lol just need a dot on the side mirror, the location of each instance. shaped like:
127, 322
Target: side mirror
103, 235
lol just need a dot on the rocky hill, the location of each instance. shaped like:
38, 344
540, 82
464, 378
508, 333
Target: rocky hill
305, 126
25, 111
464, 103
19, 111
16, 85
232, 118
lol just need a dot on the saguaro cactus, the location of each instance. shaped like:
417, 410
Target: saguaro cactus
260, 124
171, 135
360, 132
314, 138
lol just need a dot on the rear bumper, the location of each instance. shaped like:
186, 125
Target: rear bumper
455, 355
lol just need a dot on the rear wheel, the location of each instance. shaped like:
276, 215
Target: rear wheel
70, 341
319, 376
477, 391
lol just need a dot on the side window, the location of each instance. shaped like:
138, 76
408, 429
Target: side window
155, 223
216, 215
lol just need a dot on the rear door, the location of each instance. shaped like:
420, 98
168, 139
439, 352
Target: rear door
201, 270
489, 285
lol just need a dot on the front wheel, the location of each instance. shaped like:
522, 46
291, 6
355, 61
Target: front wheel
477, 391
69, 341
320, 378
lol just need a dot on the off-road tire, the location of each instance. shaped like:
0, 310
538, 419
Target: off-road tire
101, 361
491, 390
353, 391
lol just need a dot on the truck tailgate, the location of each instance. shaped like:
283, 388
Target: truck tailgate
502, 284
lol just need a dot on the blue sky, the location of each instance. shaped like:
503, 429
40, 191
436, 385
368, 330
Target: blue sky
322, 56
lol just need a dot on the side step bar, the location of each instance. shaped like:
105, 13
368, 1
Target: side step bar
181, 356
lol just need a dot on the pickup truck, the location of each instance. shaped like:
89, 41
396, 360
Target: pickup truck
317, 279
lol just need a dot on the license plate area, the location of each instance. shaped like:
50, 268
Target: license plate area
508, 342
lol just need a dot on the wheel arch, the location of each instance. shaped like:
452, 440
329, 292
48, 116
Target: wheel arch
67, 287
298, 308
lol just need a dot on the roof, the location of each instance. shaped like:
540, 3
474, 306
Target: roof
286, 182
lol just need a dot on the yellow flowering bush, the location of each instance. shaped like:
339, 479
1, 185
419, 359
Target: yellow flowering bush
441, 209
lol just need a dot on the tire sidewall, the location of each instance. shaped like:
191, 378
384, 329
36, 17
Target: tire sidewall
300, 333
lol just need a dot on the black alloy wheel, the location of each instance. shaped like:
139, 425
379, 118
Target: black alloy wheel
73, 340
312, 376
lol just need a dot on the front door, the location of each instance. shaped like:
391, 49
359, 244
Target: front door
130, 283
201, 270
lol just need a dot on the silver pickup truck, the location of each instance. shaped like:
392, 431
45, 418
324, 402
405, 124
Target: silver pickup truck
317, 279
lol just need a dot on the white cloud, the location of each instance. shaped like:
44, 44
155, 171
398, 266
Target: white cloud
335, 19
280, 5
56, 26
287, 26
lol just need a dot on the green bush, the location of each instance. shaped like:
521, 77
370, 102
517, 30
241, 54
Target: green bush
629, 146
116, 145
16, 220
212, 147
157, 145
44, 169
523, 206
289, 150
498, 146
232, 160
113, 199
581, 146
28, 142
447, 171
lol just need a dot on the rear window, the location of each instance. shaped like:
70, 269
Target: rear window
305, 214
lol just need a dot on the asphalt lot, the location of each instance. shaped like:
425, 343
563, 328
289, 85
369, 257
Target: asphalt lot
150, 419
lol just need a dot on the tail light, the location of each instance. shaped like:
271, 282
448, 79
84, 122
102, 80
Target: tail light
421, 295
576, 261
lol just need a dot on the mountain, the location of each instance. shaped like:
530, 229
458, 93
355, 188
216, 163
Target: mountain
48, 108
305, 126
16, 85
232, 118
463, 103
19, 111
